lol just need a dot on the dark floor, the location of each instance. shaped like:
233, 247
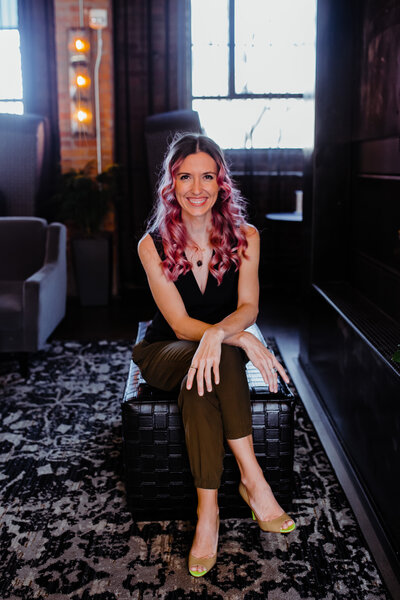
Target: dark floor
279, 316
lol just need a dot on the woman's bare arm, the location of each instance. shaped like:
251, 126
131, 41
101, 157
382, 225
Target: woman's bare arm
230, 330
171, 305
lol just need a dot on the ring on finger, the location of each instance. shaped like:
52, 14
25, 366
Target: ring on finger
195, 368
274, 370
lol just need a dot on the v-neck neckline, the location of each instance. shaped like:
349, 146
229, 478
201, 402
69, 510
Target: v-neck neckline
197, 285
195, 280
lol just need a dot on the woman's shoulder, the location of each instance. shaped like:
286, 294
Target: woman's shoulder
249, 229
145, 241
145, 248
250, 232
149, 245
253, 241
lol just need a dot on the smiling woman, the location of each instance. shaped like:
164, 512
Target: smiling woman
201, 260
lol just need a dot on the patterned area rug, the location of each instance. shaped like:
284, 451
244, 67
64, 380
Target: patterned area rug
66, 532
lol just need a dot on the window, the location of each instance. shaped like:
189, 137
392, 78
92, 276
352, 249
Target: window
253, 71
10, 69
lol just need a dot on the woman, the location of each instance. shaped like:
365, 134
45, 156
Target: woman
201, 260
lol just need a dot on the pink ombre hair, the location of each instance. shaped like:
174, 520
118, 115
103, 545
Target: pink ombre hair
228, 213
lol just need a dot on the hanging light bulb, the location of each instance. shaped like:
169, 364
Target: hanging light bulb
81, 45
82, 80
83, 116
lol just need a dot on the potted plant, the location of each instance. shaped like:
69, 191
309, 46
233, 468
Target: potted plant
396, 355
82, 202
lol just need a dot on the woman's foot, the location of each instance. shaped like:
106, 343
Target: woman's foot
205, 541
263, 502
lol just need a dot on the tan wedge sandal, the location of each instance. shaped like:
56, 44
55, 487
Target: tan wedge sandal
207, 563
274, 525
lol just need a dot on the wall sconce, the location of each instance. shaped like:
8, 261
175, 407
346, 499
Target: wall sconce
80, 82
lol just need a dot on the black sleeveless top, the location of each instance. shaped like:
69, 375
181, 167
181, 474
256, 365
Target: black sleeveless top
217, 302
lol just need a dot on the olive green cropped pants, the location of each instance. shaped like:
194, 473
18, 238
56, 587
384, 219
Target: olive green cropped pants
225, 411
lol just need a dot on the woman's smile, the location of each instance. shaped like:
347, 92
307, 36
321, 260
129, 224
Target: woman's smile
197, 201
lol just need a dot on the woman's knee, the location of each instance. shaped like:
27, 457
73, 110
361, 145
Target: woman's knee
191, 401
163, 364
139, 351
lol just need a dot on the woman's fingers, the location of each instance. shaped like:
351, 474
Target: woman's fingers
264, 363
277, 365
272, 378
273, 374
207, 375
216, 371
265, 375
200, 380
203, 373
205, 362
203, 370
282, 372
191, 375
269, 371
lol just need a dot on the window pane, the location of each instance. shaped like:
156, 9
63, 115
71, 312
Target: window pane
258, 123
8, 14
275, 46
209, 47
10, 69
16, 108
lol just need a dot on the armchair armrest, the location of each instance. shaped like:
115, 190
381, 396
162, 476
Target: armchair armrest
45, 291
55, 243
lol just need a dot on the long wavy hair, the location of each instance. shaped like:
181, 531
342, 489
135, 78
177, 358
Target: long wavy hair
227, 236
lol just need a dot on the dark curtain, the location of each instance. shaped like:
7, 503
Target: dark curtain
39, 77
151, 53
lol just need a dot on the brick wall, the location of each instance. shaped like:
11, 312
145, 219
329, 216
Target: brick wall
76, 151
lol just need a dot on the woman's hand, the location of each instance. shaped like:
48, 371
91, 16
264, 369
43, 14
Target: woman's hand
206, 359
263, 360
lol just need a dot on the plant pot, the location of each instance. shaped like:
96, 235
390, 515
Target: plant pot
92, 270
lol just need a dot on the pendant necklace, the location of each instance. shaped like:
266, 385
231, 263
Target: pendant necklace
199, 262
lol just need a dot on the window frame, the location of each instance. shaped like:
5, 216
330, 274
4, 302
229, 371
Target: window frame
232, 94
12, 27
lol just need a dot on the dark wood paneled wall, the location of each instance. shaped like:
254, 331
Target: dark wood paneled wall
352, 325
374, 220
378, 93
335, 75
355, 213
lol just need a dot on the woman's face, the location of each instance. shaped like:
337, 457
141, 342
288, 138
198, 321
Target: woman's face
196, 187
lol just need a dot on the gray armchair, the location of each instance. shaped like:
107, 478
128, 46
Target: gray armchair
33, 282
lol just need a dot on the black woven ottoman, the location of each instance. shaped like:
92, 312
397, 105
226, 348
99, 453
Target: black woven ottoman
159, 484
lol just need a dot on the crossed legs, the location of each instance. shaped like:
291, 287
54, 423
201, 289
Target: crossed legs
224, 412
207, 419
260, 494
